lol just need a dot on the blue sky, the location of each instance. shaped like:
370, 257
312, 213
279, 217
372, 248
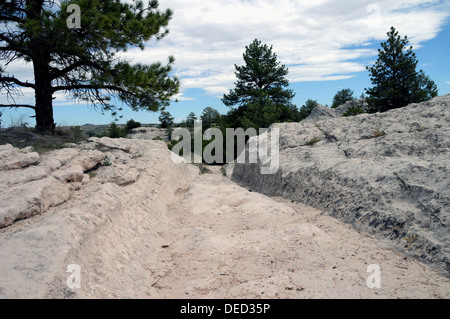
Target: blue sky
326, 45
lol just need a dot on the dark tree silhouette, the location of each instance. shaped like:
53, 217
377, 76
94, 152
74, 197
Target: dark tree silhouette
83, 62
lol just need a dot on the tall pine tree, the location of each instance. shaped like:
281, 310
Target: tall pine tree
396, 81
260, 97
83, 61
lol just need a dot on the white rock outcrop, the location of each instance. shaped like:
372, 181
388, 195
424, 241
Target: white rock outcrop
385, 173
97, 206
321, 113
149, 133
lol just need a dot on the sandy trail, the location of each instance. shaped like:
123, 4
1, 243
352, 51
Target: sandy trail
223, 241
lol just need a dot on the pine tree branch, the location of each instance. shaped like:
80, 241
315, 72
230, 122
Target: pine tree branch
10, 18
88, 87
59, 73
13, 45
11, 79
18, 106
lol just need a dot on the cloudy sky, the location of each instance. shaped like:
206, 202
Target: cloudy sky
326, 45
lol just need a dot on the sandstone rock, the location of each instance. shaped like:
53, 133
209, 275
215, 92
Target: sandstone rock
72, 174
121, 176
31, 183
30, 199
386, 173
10, 178
57, 158
109, 231
340, 110
149, 133
89, 159
83, 162
321, 113
13, 158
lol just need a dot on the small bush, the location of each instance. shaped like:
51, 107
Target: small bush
203, 169
131, 124
90, 133
20, 122
224, 171
60, 131
47, 147
115, 131
379, 133
76, 132
70, 134
353, 111
415, 127
313, 141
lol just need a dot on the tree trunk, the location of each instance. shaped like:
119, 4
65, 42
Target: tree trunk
44, 98
41, 63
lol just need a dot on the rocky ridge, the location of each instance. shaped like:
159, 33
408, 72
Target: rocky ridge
96, 205
150, 133
387, 174
321, 113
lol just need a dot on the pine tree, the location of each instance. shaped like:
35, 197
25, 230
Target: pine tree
341, 97
83, 61
395, 79
166, 119
190, 120
307, 108
260, 92
132, 124
209, 117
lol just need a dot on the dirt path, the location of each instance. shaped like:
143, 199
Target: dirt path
223, 241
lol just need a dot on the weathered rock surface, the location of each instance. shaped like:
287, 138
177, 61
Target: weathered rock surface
149, 133
321, 113
97, 205
340, 110
143, 225
386, 173
13, 158
31, 183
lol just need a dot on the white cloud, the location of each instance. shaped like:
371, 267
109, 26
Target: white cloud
317, 40
181, 97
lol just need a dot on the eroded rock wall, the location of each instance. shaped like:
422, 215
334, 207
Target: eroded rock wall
386, 173
97, 205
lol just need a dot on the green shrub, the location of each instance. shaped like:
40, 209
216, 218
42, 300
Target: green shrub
341, 97
353, 111
76, 132
313, 141
379, 133
131, 124
91, 133
115, 131
41, 148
